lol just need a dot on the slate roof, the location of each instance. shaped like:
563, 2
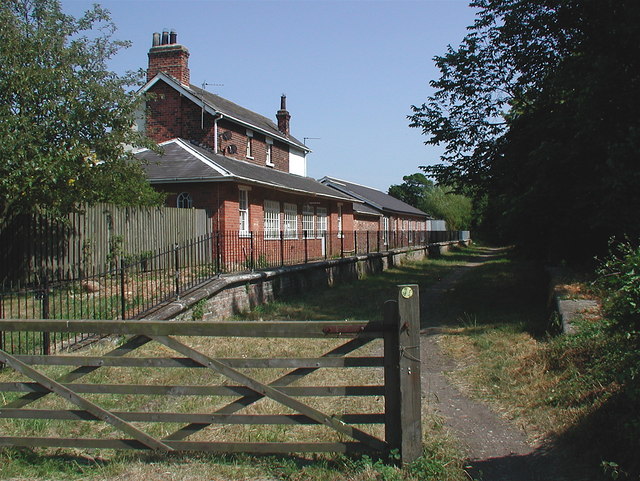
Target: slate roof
373, 198
182, 161
365, 209
236, 111
217, 104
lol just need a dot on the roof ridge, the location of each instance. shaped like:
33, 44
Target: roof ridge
354, 183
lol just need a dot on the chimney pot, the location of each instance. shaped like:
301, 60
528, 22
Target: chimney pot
170, 58
283, 116
156, 39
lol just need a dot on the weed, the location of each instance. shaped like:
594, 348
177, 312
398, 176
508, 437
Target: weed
197, 312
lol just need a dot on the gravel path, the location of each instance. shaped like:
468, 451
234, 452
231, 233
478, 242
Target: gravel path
496, 450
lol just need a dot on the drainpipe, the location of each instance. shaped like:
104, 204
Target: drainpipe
215, 132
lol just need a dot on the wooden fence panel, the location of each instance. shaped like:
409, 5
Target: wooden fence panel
92, 239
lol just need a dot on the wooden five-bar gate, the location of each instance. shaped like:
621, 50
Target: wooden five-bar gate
42, 394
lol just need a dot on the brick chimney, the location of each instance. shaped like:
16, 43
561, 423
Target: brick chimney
283, 116
167, 56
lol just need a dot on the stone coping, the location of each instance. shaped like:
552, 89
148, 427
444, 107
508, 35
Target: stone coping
171, 309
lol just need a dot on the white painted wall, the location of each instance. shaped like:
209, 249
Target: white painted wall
436, 225
297, 162
140, 121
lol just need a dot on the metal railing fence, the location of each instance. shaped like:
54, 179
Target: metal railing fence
128, 287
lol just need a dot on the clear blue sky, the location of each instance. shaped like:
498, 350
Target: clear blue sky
350, 69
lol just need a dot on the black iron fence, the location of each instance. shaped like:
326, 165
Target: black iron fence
128, 287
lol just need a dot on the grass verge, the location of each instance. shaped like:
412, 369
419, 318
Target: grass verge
579, 394
356, 300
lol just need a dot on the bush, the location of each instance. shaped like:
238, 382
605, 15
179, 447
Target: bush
619, 279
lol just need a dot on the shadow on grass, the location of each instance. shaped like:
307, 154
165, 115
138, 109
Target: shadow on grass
502, 290
28, 463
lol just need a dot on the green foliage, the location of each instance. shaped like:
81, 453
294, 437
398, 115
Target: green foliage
412, 189
197, 313
536, 111
619, 278
65, 119
438, 201
443, 203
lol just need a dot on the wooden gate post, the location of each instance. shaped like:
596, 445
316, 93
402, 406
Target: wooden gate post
403, 427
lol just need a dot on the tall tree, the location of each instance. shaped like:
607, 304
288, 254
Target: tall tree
537, 110
65, 119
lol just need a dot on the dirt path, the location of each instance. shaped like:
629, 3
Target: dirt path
496, 449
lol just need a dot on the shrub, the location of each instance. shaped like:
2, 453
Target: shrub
619, 279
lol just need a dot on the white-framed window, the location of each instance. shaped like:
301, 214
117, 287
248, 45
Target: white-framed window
243, 211
290, 221
269, 149
271, 219
184, 200
308, 227
321, 215
385, 230
339, 220
249, 144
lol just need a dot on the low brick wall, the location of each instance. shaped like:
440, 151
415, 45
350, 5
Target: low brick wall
228, 295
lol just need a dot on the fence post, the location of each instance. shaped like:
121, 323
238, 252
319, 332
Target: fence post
176, 264
306, 252
403, 429
252, 259
46, 336
123, 303
218, 254
281, 248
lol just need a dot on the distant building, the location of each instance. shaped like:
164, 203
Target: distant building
374, 210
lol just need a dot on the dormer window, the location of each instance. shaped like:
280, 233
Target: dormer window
249, 144
269, 149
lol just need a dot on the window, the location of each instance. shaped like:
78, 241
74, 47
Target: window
307, 221
321, 213
339, 220
290, 221
249, 144
243, 211
184, 201
271, 219
269, 157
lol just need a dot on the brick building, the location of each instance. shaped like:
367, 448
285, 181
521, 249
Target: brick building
374, 210
246, 170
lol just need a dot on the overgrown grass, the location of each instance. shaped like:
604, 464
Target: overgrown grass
362, 299
355, 300
578, 393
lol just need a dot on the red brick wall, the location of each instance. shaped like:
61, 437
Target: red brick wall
367, 223
237, 135
171, 59
172, 115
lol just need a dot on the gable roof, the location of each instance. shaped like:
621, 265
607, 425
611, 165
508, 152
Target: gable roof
374, 198
183, 161
216, 105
